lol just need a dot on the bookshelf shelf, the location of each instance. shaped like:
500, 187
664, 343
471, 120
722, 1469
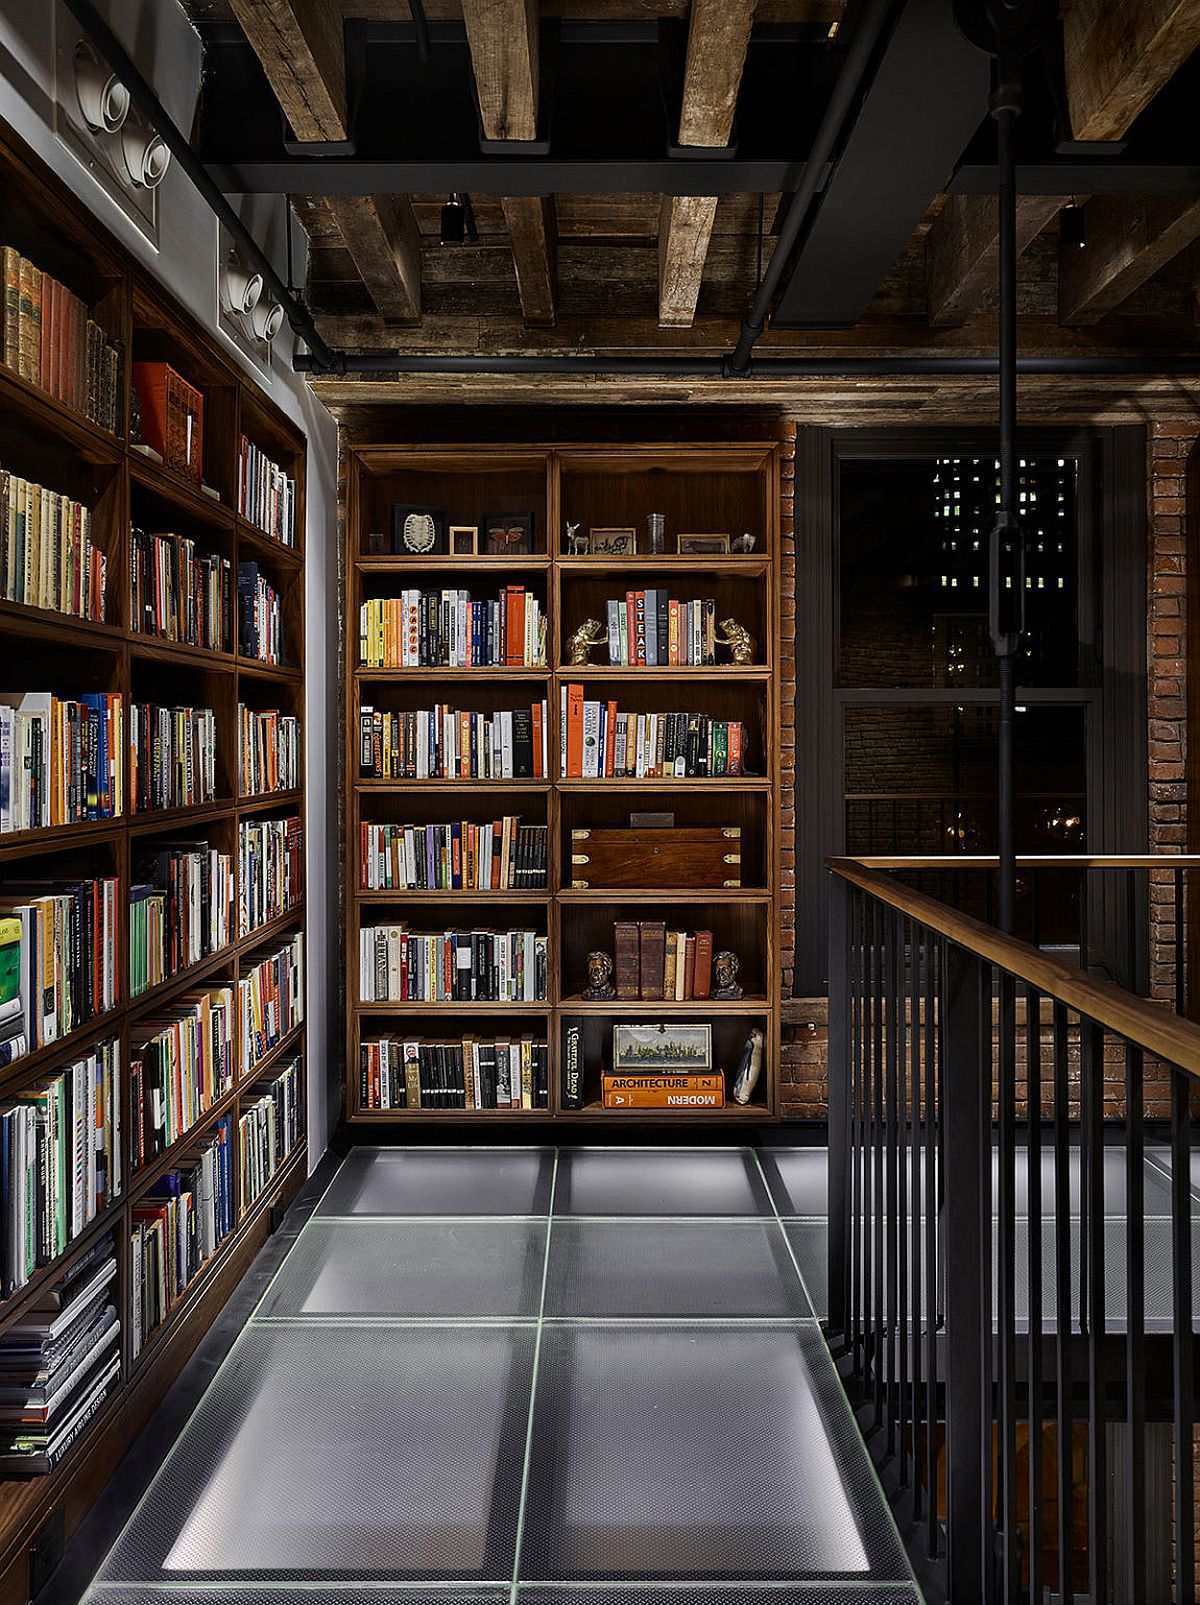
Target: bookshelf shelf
44, 441
730, 487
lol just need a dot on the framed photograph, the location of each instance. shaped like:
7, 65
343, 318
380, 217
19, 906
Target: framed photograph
704, 545
418, 531
464, 540
684, 1045
612, 542
376, 543
508, 534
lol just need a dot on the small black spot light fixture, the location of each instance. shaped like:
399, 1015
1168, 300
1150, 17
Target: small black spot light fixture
1072, 229
458, 220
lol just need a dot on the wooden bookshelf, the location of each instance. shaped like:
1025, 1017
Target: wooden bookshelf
43, 440
725, 488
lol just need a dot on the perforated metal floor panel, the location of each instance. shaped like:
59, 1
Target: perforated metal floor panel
488, 1377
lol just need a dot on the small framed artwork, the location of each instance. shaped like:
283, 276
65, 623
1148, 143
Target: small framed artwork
681, 1045
376, 543
704, 545
418, 531
612, 542
464, 540
508, 534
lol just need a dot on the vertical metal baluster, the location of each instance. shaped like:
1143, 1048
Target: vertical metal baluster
904, 1158
920, 1393
1180, 948
854, 1224
878, 1220
1006, 1334
868, 1167
1091, 1048
1182, 1363
894, 1041
1084, 916
840, 1055
1063, 1333
1033, 1111
1135, 1330
934, 1176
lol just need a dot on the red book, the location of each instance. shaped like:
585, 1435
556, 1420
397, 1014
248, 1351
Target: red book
539, 740
689, 967
514, 626
575, 731
702, 968
610, 741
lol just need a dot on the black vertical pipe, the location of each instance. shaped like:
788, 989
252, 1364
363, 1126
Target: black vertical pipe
1033, 1218
840, 1073
1006, 113
1063, 1306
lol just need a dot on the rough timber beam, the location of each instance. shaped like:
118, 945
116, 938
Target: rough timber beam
1118, 54
962, 251
1127, 239
380, 232
718, 34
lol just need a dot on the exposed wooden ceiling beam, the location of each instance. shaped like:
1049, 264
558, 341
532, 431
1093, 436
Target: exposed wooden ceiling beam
301, 47
1118, 54
718, 35
962, 251
503, 35
1127, 239
381, 235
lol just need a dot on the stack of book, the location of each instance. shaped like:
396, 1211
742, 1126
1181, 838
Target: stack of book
270, 869
266, 495
60, 1160
59, 943
504, 855
180, 1069
178, 1227
180, 911
448, 629
445, 743
598, 741
50, 340
656, 964
260, 611
271, 1001
465, 1073
653, 629
269, 1130
59, 1363
173, 757
47, 556
268, 751
397, 965
61, 761
170, 418
178, 593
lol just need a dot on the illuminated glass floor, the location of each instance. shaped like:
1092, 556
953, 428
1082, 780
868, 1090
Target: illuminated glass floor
575, 1377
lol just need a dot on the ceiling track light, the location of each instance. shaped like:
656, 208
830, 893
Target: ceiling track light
145, 153
266, 320
241, 290
458, 220
1073, 227
103, 98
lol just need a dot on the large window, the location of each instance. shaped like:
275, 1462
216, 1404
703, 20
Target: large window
898, 677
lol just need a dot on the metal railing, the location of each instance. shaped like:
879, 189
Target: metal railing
1011, 1241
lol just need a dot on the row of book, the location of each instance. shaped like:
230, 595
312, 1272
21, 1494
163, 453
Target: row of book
60, 1160
260, 615
168, 421
47, 556
268, 751
178, 1227
271, 1001
51, 341
445, 743
172, 756
598, 741
60, 759
179, 1069
180, 911
58, 964
270, 869
502, 855
654, 963
269, 1129
179, 593
449, 629
397, 965
266, 495
651, 628
465, 1073
59, 1364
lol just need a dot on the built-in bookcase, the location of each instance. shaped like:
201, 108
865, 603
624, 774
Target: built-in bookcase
726, 489
45, 650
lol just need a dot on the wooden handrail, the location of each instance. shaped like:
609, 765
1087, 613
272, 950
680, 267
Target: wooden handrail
906, 861
1148, 1026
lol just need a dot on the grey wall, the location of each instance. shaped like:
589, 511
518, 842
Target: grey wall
162, 42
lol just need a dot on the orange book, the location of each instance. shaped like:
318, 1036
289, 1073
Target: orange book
514, 626
662, 1092
539, 740
464, 743
610, 741
575, 730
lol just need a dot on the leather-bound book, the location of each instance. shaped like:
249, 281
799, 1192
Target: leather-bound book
628, 960
653, 949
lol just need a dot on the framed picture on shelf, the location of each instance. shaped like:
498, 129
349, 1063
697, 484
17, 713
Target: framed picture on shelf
418, 531
612, 542
508, 534
684, 1045
376, 543
464, 540
704, 545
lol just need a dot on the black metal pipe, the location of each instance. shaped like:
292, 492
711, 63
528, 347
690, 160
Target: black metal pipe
321, 358
863, 46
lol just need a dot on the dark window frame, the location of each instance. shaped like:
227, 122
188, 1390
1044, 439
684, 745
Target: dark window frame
1112, 605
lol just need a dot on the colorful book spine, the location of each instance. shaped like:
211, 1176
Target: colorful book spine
397, 965
462, 1073
271, 1001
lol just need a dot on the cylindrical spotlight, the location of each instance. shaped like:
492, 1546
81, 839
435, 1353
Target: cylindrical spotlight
266, 320
146, 155
103, 98
241, 290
